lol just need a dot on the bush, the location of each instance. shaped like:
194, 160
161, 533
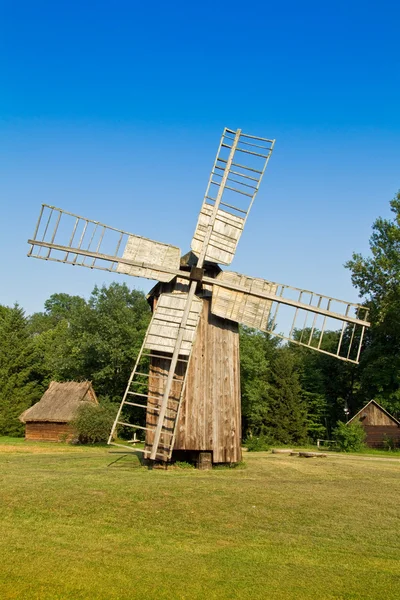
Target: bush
262, 443
389, 443
93, 422
349, 437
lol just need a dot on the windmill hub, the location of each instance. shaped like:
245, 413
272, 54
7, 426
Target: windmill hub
186, 377
196, 274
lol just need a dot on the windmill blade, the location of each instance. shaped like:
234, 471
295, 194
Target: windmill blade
68, 238
322, 323
234, 181
158, 380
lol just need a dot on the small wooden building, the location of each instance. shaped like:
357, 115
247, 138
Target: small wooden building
49, 419
379, 425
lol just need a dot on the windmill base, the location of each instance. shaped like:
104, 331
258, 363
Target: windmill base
209, 422
202, 460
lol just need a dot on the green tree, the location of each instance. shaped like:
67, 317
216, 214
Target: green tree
93, 422
256, 352
288, 416
96, 339
19, 388
377, 278
350, 437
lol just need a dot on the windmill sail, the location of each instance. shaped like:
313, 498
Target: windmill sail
68, 238
234, 181
319, 322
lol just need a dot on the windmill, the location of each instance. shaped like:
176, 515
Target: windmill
186, 376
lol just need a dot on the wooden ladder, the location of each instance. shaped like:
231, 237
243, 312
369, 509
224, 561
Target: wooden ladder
145, 392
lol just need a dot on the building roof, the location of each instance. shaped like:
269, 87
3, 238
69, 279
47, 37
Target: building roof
380, 408
60, 402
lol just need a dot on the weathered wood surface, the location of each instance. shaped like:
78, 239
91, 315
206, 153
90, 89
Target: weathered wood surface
224, 238
163, 330
146, 251
373, 415
49, 432
239, 306
378, 435
210, 416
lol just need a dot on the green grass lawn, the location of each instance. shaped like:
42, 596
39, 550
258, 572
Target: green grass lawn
279, 528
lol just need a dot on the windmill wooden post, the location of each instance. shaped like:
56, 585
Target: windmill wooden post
186, 376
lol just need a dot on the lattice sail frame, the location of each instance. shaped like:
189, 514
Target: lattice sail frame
65, 237
237, 173
309, 319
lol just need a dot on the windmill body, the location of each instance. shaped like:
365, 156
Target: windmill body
209, 420
185, 381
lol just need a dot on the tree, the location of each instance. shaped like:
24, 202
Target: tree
93, 422
350, 437
287, 416
96, 339
256, 352
377, 278
19, 388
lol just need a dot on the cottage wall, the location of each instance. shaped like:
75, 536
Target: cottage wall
376, 435
48, 432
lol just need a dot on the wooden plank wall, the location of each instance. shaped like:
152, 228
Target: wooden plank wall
375, 416
210, 418
376, 435
48, 432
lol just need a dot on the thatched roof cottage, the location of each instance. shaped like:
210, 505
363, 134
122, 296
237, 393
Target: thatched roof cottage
50, 418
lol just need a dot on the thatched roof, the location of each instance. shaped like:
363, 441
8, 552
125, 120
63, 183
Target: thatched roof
60, 402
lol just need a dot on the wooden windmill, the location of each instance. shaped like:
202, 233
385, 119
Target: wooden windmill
186, 377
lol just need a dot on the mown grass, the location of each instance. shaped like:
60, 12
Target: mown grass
280, 528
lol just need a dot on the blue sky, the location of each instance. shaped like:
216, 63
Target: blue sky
114, 111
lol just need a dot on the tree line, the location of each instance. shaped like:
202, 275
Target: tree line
289, 394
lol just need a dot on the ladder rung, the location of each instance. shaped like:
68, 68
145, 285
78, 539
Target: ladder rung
228, 187
164, 357
150, 407
157, 398
128, 449
143, 395
253, 187
157, 356
255, 137
143, 428
250, 152
244, 176
233, 207
255, 145
135, 426
133, 451
141, 405
246, 168
151, 375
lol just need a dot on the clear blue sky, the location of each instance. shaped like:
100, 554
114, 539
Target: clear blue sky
114, 110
